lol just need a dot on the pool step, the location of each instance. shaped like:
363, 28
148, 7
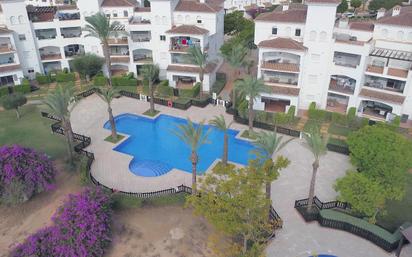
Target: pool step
148, 168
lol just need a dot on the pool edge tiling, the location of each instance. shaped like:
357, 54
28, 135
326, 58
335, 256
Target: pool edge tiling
156, 150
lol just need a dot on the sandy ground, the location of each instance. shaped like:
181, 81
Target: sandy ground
159, 232
169, 231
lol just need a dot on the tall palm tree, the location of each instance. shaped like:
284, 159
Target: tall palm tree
60, 103
220, 123
317, 145
194, 136
252, 88
107, 95
199, 58
267, 144
236, 58
150, 73
99, 26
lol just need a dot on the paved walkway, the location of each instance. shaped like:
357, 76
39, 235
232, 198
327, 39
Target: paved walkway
296, 239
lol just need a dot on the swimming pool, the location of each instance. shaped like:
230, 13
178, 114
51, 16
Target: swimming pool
157, 150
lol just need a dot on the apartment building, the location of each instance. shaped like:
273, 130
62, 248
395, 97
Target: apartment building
53, 35
307, 55
243, 5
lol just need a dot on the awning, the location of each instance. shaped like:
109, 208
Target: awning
393, 54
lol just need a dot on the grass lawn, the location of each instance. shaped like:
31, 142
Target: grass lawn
150, 113
245, 134
110, 139
312, 124
339, 130
398, 212
31, 130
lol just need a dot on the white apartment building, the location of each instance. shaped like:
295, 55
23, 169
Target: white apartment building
307, 55
47, 35
242, 5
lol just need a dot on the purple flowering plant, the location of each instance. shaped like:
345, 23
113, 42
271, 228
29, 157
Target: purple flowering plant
81, 227
24, 172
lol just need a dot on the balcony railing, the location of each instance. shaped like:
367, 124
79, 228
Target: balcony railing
72, 54
375, 69
118, 41
7, 62
6, 48
286, 82
143, 58
120, 59
389, 71
54, 56
285, 67
141, 38
385, 87
344, 87
71, 35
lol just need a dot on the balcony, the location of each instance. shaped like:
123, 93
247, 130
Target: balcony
375, 110
138, 21
50, 53
346, 60
7, 59
120, 59
73, 50
287, 79
182, 59
5, 46
118, 41
280, 61
342, 84
142, 56
183, 44
391, 85
337, 103
45, 34
283, 67
73, 32
141, 36
68, 16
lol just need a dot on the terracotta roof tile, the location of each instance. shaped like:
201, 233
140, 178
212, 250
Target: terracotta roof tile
397, 99
288, 67
188, 29
4, 30
10, 68
404, 18
284, 90
291, 16
191, 69
282, 43
116, 3
195, 6
366, 26
142, 9
324, 1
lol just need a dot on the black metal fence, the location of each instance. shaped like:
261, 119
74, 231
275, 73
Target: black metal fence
314, 214
338, 148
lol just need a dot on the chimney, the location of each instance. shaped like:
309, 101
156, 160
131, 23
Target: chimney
285, 5
343, 23
381, 13
396, 10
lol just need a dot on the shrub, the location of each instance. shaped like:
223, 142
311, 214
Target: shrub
190, 93
65, 76
88, 65
82, 227
351, 116
396, 121
338, 118
23, 173
24, 88
4, 91
123, 81
243, 108
43, 79
292, 111
99, 81
164, 90
220, 83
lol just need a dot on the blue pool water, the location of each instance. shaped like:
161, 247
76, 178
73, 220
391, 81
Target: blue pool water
157, 150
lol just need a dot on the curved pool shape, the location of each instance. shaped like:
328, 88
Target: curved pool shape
324, 255
157, 150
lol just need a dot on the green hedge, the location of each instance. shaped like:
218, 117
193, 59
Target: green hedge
339, 142
4, 91
190, 93
65, 77
99, 81
124, 81
220, 83
360, 223
43, 79
181, 100
24, 88
163, 89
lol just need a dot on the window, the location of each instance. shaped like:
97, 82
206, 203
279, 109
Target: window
30, 71
162, 38
297, 32
115, 14
13, 20
21, 19
22, 37
312, 35
108, 15
125, 14
274, 31
199, 19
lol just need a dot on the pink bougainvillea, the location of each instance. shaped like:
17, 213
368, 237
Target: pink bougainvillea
23, 173
82, 227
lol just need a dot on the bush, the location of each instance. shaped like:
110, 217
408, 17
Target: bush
243, 108
4, 91
99, 81
123, 81
340, 119
190, 93
65, 77
220, 83
121, 201
23, 173
88, 65
164, 90
396, 121
43, 79
81, 227
351, 116
24, 88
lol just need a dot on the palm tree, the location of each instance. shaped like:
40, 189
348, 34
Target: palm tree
194, 136
317, 145
252, 88
220, 123
99, 26
237, 60
150, 73
267, 144
199, 58
107, 95
60, 103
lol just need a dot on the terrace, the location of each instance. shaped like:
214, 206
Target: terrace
281, 61
142, 55
141, 36
342, 84
391, 85
52, 66
274, 77
375, 110
182, 59
275, 104
389, 67
138, 20
44, 34
73, 50
184, 82
71, 32
50, 53
63, 16
118, 41
346, 59
7, 59
182, 44
119, 50
5, 45
337, 103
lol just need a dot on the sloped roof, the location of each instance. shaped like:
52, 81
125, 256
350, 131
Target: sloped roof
188, 29
282, 43
365, 26
4, 30
295, 14
116, 3
324, 1
404, 18
195, 6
